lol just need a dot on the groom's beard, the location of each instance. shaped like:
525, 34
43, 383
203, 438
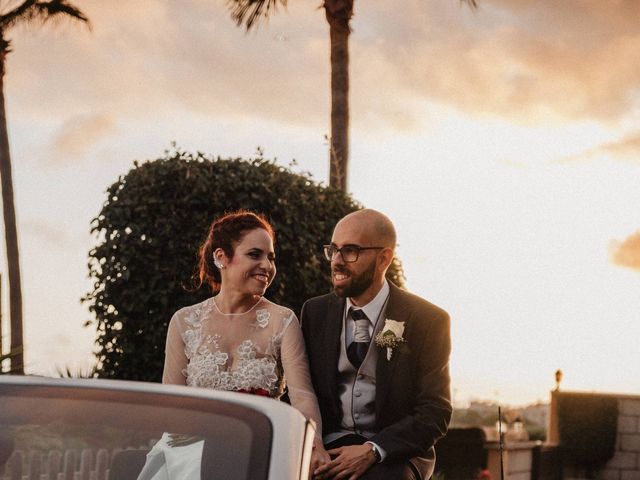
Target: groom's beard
358, 284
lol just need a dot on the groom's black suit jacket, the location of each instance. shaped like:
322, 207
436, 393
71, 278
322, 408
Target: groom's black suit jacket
413, 401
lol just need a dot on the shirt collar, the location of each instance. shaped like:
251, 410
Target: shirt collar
372, 309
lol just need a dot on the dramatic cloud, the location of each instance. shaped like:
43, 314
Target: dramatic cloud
627, 252
45, 232
161, 57
529, 60
627, 148
79, 133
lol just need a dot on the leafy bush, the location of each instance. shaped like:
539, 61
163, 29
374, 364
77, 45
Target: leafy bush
149, 230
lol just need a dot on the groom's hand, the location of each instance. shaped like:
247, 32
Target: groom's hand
349, 463
319, 456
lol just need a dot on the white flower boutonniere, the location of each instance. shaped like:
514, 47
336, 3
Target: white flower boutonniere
391, 336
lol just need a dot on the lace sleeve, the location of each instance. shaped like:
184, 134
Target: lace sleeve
296, 372
175, 360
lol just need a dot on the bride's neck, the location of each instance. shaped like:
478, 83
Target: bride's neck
233, 302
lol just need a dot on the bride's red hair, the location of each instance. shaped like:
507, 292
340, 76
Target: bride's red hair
225, 232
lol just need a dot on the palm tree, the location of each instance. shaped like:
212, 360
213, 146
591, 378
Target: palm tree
23, 12
338, 14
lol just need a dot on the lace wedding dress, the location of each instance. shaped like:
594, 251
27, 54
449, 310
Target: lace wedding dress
254, 352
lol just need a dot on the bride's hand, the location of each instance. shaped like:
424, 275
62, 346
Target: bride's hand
319, 456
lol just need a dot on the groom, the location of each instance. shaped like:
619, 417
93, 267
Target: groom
379, 360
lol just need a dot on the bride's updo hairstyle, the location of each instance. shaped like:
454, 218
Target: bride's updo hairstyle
225, 232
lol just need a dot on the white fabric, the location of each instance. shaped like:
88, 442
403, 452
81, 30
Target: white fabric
257, 349
172, 463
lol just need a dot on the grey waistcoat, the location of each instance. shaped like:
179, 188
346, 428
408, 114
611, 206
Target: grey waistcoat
357, 388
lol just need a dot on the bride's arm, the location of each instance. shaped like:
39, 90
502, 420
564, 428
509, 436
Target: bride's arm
301, 393
296, 372
175, 360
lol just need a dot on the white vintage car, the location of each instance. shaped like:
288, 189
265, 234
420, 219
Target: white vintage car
93, 429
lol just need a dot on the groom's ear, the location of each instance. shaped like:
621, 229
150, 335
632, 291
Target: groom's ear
385, 258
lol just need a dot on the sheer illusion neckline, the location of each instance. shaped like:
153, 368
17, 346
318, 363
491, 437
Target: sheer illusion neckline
215, 304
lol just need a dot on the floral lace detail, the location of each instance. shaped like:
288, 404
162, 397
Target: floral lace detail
209, 367
262, 318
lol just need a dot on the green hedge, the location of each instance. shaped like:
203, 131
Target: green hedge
149, 230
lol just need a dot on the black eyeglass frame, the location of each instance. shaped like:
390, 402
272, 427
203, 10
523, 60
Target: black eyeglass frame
331, 250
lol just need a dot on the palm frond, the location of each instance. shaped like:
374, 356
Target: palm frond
10, 18
251, 11
6, 356
43, 11
81, 372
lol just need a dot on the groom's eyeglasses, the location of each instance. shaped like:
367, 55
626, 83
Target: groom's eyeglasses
349, 253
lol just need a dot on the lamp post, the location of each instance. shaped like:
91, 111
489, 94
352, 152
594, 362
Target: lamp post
558, 378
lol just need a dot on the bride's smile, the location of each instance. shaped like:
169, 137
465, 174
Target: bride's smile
251, 269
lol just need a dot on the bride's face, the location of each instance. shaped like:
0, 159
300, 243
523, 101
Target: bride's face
252, 268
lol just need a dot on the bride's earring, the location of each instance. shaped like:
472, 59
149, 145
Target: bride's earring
218, 264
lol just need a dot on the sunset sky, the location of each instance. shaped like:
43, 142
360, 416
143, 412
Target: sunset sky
503, 142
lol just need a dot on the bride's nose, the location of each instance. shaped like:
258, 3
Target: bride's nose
267, 264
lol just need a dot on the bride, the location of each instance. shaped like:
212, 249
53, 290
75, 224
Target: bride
238, 340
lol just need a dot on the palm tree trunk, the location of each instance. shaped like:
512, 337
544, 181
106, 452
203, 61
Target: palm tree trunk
11, 236
338, 14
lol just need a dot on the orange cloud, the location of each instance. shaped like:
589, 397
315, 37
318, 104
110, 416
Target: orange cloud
627, 252
533, 61
80, 132
45, 232
627, 148
161, 57
528, 60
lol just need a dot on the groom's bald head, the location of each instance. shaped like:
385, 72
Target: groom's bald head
373, 225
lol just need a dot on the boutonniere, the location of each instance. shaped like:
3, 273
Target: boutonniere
390, 337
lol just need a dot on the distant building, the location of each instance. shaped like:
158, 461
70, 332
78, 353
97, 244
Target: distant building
483, 408
536, 414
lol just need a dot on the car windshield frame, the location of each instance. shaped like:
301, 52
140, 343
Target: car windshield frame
90, 403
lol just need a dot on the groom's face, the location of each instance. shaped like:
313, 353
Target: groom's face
354, 278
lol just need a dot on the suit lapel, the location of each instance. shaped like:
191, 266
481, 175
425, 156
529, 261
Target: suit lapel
331, 341
396, 310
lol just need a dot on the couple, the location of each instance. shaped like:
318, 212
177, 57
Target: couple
382, 400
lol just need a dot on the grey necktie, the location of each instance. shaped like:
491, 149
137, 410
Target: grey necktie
358, 348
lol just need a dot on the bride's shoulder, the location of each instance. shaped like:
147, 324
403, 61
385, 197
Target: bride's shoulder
278, 311
193, 311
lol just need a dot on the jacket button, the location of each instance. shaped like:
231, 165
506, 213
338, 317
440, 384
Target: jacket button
357, 393
356, 415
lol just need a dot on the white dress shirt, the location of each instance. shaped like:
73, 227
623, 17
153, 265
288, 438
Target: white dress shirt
371, 310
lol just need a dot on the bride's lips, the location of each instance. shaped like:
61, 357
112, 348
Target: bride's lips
261, 277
